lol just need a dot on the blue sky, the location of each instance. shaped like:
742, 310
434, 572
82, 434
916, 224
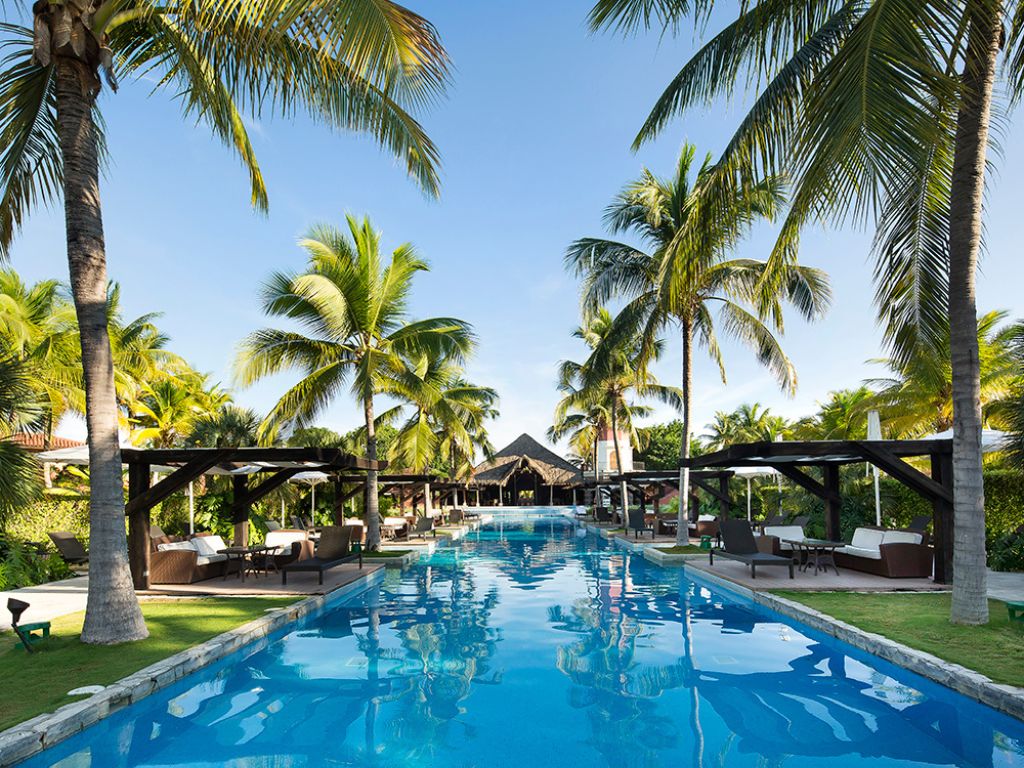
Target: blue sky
535, 135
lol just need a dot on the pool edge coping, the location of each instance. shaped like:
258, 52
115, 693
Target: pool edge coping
1002, 697
37, 734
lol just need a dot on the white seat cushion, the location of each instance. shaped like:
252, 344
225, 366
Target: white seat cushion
785, 531
869, 554
208, 545
207, 559
394, 522
353, 521
867, 538
901, 537
170, 545
284, 538
705, 518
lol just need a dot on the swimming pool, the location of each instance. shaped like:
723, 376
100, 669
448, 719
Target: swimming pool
525, 644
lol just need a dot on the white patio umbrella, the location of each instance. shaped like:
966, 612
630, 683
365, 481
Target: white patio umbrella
875, 433
313, 478
992, 440
748, 473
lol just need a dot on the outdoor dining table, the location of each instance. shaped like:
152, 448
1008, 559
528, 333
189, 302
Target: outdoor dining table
244, 556
819, 552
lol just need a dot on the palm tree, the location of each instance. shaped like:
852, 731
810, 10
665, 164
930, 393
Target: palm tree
844, 416
447, 418
228, 425
686, 272
604, 384
19, 408
354, 309
918, 398
361, 66
750, 423
876, 111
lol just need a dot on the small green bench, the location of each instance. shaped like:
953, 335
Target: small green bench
1016, 610
27, 632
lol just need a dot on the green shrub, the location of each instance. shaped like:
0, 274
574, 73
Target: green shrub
1006, 553
33, 522
22, 566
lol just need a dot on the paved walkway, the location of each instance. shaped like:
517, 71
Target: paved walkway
1006, 586
47, 601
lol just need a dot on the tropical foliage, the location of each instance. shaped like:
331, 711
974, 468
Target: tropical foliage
685, 277
354, 332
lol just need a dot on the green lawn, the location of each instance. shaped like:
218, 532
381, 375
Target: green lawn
922, 621
39, 682
686, 549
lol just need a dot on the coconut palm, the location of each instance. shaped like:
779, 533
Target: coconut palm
877, 111
750, 423
353, 308
686, 273
228, 425
605, 384
359, 65
917, 399
844, 416
447, 418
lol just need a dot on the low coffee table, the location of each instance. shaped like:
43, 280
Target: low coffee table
819, 552
244, 557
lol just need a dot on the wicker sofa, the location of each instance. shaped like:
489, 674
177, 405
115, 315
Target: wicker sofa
174, 560
895, 554
773, 540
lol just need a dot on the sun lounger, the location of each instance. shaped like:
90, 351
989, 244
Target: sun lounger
335, 548
69, 547
638, 523
738, 544
425, 525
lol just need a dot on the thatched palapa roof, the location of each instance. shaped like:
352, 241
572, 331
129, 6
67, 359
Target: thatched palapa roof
526, 453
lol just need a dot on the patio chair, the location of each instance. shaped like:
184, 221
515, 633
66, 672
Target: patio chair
638, 522
335, 548
602, 515
801, 521
69, 547
424, 525
456, 517
26, 632
273, 525
738, 544
920, 523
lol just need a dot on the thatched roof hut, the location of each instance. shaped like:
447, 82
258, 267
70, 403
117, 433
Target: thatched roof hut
523, 454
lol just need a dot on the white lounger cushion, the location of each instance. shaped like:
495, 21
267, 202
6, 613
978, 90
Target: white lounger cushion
867, 538
284, 539
207, 559
394, 522
175, 545
869, 554
901, 537
784, 531
705, 518
208, 545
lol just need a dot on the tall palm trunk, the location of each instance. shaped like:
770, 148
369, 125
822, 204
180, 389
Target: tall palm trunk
372, 505
970, 601
112, 612
682, 529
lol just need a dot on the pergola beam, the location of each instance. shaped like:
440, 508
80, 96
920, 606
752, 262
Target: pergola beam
151, 496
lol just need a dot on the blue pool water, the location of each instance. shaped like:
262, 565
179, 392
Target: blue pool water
527, 645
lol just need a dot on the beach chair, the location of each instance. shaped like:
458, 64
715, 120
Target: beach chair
69, 547
424, 525
738, 544
26, 632
334, 548
638, 522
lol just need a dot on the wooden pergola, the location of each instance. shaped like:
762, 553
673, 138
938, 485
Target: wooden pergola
274, 466
714, 482
792, 459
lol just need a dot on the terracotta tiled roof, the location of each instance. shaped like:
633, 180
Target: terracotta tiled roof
35, 441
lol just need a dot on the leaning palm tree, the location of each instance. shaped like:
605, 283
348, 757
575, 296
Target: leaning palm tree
877, 111
352, 308
357, 64
686, 273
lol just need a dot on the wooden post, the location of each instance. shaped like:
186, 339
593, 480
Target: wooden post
942, 519
723, 500
428, 502
240, 510
138, 527
339, 503
833, 526
551, 495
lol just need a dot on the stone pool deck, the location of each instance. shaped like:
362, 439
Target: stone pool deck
778, 578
